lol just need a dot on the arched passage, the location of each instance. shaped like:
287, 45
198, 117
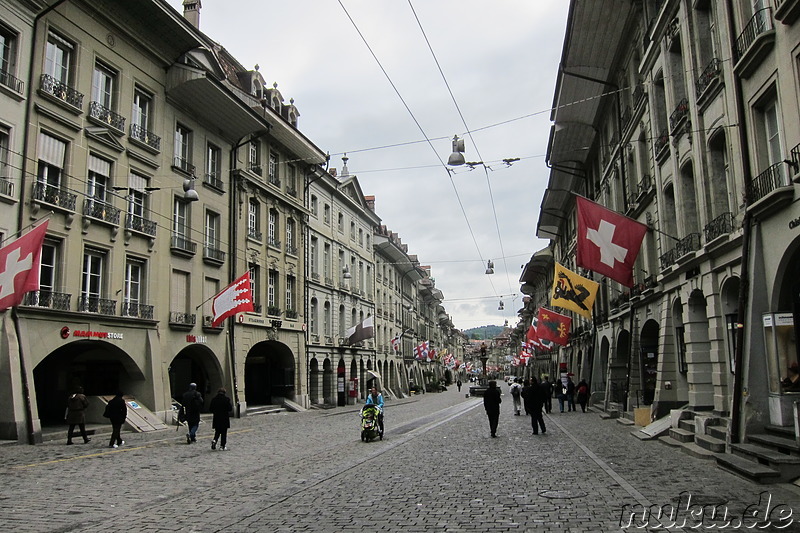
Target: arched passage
195, 364
99, 367
268, 374
649, 361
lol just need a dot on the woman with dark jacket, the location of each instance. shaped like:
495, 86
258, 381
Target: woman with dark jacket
221, 407
491, 403
583, 394
76, 405
533, 395
116, 412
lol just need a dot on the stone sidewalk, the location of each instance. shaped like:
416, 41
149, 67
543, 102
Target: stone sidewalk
436, 470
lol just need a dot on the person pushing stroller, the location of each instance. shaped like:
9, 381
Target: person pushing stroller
376, 398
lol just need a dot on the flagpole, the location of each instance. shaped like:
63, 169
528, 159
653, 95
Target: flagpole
32, 224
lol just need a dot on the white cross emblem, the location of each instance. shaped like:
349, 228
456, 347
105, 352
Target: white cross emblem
603, 237
13, 267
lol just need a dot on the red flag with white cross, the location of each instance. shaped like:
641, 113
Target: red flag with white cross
608, 243
235, 298
19, 266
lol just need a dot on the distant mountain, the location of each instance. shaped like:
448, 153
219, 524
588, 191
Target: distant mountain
483, 332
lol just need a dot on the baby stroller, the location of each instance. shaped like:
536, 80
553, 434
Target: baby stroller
370, 427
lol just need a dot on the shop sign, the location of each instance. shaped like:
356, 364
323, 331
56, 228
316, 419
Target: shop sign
97, 334
199, 339
794, 223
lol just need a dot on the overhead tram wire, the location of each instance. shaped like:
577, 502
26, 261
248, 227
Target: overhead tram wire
419, 126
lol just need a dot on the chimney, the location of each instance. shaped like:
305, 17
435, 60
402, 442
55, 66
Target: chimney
191, 12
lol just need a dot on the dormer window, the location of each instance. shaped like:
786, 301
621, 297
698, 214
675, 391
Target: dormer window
276, 105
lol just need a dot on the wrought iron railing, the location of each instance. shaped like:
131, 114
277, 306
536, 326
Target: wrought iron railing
182, 319
140, 224
6, 187
137, 310
273, 242
183, 244
722, 225
101, 211
254, 234
95, 304
274, 180
760, 23
766, 182
213, 253
62, 91
49, 299
183, 164
106, 116
53, 195
680, 112
214, 180
661, 143
145, 136
12, 82
688, 244
711, 73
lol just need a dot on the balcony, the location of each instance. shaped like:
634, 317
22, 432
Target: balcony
291, 250
328, 281
795, 163
685, 246
182, 245
720, 226
183, 165
54, 196
754, 43
272, 242
710, 76
770, 190
639, 95
293, 192
254, 234
291, 313
107, 117
95, 304
787, 11
274, 180
273, 310
137, 310
661, 144
679, 114
59, 301
181, 320
6, 187
213, 181
140, 224
213, 255
61, 92
12, 82
102, 211
146, 137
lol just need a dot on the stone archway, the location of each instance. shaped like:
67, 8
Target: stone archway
315, 382
269, 374
195, 364
648, 361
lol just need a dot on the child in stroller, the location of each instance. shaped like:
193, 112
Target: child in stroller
370, 423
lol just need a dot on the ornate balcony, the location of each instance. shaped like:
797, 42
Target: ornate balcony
771, 179
679, 114
685, 246
182, 245
106, 116
213, 180
137, 310
183, 165
754, 43
212, 254
6, 187
95, 304
12, 82
710, 74
55, 196
140, 224
661, 144
101, 211
182, 320
146, 137
52, 300
722, 225
253, 233
274, 180
61, 91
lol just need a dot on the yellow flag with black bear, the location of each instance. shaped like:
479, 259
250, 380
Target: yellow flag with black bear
573, 292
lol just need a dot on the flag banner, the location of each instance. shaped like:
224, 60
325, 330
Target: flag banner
235, 298
361, 331
396, 342
20, 262
573, 292
421, 351
608, 242
533, 338
553, 326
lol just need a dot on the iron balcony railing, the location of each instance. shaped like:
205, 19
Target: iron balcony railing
711, 73
62, 91
137, 310
145, 136
766, 182
106, 116
213, 253
274, 180
638, 94
183, 164
760, 23
680, 112
254, 234
182, 319
795, 159
6, 187
211, 178
183, 244
722, 225
12, 82
95, 304
53, 195
52, 300
140, 224
101, 211
275, 243
688, 244
661, 143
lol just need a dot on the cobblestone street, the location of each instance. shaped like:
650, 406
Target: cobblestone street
437, 469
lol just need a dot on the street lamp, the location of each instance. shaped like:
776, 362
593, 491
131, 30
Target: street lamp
489, 267
457, 157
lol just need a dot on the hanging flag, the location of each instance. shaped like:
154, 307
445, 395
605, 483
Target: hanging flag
235, 298
396, 342
421, 351
361, 331
20, 262
573, 292
608, 242
553, 326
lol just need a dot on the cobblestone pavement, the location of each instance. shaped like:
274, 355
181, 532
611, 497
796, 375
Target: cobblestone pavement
437, 470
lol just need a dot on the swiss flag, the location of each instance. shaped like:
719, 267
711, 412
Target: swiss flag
553, 326
608, 243
19, 266
235, 298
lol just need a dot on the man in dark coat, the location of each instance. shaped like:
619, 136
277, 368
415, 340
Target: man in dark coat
116, 412
76, 405
533, 396
221, 407
192, 403
547, 390
491, 403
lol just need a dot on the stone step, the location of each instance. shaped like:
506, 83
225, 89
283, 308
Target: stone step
625, 421
782, 444
710, 443
718, 432
686, 424
697, 451
748, 469
786, 432
764, 455
681, 435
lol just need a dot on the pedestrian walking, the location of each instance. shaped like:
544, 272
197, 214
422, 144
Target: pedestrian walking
76, 405
458, 384
560, 391
583, 394
491, 403
547, 389
116, 412
533, 394
516, 395
192, 404
221, 407
570, 394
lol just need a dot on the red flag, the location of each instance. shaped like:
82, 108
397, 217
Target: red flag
235, 298
19, 266
553, 326
608, 243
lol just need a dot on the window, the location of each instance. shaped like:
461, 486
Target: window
181, 228
272, 288
252, 158
92, 281
312, 317
291, 180
252, 220
314, 205
272, 228
340, 223
681, 346
326, 320
326, 214
312, 259
96, 186
290, 248
212, 231
51, 155
45, 296
214, 166
255, 285
272, 171
132, 292
58, 58
290, 290
103, 81
183, 149
360, 237
326, 263
210, 289
137, 204
179, 299
142, 109
6, 185
352, 231
342, 325
8, 60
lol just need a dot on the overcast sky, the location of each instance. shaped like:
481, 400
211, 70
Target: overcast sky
499, 59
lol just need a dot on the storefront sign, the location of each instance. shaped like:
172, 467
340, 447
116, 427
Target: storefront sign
97, 334
199, 339
794, 223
